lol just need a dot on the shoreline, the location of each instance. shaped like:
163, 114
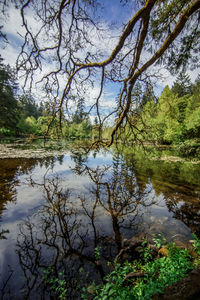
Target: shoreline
7, 151
10, 151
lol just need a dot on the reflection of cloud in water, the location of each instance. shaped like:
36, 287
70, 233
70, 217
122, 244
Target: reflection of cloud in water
104, 205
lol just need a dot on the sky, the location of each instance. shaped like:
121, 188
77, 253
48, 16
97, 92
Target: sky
113, 16
14, 32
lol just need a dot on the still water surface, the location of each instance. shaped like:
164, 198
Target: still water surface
55, 212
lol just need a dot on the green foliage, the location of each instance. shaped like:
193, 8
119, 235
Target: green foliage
192, 120
196, 244
6, 132
106, 132
175, 117
182, 85
28, 125
159, 240
55, 284
28, 106
170, 269
97, 253
17, 115
40, 126
8, 104
79, 115
80, 130
196, 263
157, 274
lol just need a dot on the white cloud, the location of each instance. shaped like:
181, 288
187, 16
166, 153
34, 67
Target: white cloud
10, 54
165, 78
13, 23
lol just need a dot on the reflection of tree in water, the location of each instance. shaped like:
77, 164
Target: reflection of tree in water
119, 198
54, 237
10, 169
64, 234
174, 182
182, 201
79, 159
188, 212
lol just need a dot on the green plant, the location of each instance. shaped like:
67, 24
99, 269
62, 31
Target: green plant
159, 240
97, 253
196, 244
56, 285
196, 263
6, 131
142, 279
145, 251
91, 290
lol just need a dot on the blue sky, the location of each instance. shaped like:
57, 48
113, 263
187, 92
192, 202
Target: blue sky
115, 12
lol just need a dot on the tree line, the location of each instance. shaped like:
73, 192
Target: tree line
70, 35
21, 115
172, 118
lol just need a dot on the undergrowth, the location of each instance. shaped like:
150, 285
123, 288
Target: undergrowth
136, 280
146, 277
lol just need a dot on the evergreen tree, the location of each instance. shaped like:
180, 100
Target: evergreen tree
196, 91
182, 86
8, 102
136, 97
148, 95
79, 115
28, 106
192, 112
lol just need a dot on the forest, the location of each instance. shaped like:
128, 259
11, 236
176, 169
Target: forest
173, 118
21, 115
79, 53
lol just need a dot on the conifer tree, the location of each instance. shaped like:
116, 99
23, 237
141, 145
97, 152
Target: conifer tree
8, 102
182, 86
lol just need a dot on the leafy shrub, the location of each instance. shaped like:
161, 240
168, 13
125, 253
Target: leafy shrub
6, 132
196, 244
154, 275
56, 285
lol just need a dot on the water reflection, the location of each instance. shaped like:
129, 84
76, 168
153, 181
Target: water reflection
86, 203
64, 237
55, 237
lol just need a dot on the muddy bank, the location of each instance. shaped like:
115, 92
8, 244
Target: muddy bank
187, 288
10, 151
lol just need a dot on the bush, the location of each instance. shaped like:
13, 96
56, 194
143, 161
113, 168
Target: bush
153, 274
6, 132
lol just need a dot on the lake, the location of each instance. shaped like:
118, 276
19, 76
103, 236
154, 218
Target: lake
67, 215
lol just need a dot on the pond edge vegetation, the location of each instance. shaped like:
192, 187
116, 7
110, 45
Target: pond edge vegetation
158, 266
